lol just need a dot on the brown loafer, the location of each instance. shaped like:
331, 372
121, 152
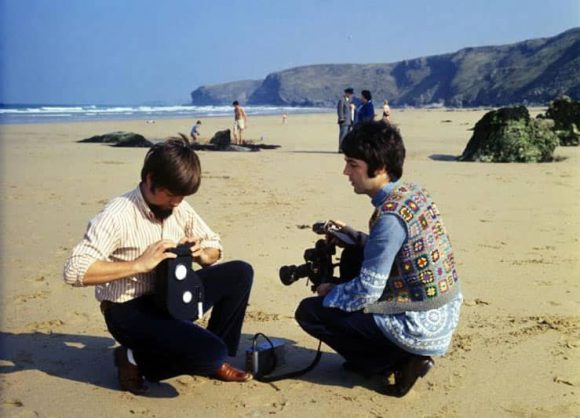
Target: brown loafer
129, 377
228, 373
406, 376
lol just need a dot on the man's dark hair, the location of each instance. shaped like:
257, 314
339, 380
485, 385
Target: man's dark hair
379, 145
235, 103
349, 90
173, 165
366, 94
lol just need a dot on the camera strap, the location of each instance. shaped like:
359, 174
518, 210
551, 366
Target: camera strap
268, 378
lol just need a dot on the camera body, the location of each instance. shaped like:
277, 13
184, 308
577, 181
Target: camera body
319, 265
178, 289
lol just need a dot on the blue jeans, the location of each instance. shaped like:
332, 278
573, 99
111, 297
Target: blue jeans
165, 347
353, 335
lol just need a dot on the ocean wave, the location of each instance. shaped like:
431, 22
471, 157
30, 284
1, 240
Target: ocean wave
30, 114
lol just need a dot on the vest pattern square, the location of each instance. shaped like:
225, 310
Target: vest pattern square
426, 263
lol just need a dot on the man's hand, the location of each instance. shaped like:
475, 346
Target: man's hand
102, 271
202, 256
358, 237
153, 255
324, 289
338, 224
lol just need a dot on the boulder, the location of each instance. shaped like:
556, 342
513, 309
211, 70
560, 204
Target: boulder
120, 139
565, 113
221, 139
509, 135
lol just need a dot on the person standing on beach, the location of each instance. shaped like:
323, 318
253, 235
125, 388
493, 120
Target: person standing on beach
366, 111
387, 112
119, 253
195, 131
344, 115
402, 306
240, 122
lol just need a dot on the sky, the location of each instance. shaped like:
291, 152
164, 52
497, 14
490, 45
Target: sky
157, 51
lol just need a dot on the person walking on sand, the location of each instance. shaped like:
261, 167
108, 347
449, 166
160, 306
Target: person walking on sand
344, 115
240, 122
119, 253
386, 112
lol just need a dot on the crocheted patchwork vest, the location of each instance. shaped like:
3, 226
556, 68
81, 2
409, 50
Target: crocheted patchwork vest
426, 277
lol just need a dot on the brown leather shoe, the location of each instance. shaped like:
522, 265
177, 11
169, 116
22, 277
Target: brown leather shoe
406, 376
228, 373
129, 377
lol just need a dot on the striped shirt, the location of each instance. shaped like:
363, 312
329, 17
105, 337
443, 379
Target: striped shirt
122, 231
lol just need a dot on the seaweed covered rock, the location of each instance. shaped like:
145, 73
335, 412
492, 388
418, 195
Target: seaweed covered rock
221, 139
120, 139
509, 135
565, 113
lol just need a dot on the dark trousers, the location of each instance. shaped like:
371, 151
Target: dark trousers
353, 335
165, 347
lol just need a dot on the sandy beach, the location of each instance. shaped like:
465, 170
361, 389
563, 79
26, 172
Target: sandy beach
515, 229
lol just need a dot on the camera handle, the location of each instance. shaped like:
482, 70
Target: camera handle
289, 375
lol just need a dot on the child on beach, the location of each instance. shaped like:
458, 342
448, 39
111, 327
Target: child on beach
195, 131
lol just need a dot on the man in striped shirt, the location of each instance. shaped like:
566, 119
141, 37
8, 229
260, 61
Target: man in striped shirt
118, 255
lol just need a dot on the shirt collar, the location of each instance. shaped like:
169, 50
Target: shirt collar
142, 204
380, 197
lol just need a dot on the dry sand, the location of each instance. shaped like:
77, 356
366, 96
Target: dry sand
515, 230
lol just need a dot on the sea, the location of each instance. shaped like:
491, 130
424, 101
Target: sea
22, 113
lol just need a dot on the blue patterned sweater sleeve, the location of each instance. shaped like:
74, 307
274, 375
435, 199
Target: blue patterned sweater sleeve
385, 240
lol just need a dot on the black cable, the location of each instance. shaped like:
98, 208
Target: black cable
268, 378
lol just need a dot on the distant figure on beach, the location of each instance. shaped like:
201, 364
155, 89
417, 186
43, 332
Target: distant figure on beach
366, 111
119, 253
284, 119
387, 112
240, 122
195, 131
352, 112
400, 300
344, 115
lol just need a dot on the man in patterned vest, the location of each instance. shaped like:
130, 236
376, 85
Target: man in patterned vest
403, 306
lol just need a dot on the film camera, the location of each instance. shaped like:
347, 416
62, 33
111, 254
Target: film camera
319, 265
178, 289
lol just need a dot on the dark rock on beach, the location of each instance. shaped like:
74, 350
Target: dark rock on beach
565, 113
221, 139
120, 139
220, 142
509, 135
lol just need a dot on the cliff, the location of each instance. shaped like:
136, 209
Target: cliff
532, 71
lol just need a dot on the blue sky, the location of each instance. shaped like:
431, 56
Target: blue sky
158, 51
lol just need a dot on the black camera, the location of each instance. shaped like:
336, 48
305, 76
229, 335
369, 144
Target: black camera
319, 264
179, 290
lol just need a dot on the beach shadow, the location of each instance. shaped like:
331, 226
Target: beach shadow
315, 152
328, 372
82, 358
443, 157
89, 360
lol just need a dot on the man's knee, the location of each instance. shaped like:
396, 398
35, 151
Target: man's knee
306, 311
244, 272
